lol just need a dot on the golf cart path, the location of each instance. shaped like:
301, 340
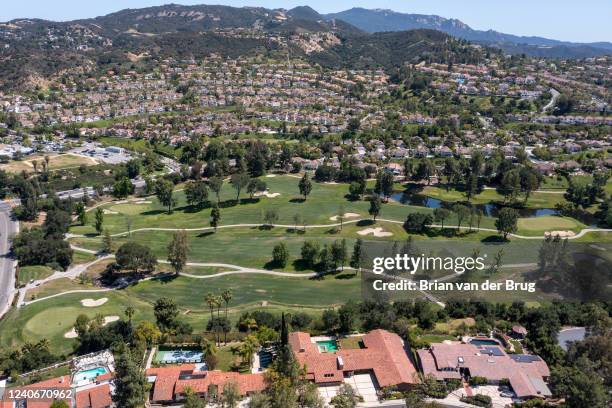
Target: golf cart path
353, 221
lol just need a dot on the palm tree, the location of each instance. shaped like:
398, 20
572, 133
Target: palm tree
251, 324
248, 348
227, 297
35, 165
129, 313
210, 299
208, 347
218, 303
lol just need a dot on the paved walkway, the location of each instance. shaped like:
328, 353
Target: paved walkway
352, 221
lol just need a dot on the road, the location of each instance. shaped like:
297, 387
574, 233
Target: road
8, 228
555, 94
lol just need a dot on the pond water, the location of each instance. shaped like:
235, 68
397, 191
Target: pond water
571, 334
488, 210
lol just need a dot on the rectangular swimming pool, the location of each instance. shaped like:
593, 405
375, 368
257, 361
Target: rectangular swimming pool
484, 342
88, 375
327, 346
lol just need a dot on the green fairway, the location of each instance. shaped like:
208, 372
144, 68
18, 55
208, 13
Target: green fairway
52, 318
549, 223
33, 272
536, 199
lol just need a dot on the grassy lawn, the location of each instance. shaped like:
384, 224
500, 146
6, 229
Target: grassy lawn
518, 348
536, 200
549, 223
352, 342
228, 361
436, 338
447, 327
56, 162
36, 272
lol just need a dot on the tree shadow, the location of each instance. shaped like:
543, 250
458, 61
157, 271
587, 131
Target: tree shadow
300, 265
205, 234
154, 212
345, 275
494, 239
297, 200
365, 223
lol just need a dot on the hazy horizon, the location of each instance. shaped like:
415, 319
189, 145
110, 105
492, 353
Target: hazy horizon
565, 20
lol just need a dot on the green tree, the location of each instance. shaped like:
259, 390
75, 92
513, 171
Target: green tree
216, 184
177, 251
107, 242
59, 404
270, 216
196, 193
81, 213
357, 256
130, 382
99, 219
192, 400
461, 212
133, 256
375, 206
338, 252
239, 181
280, 255
440, 215
256, 186
310, 253
123, 188
305, 185
507, 221
346, 397
164, 192
165, 311
231, 395
215, 217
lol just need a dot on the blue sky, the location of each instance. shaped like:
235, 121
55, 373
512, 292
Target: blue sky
570, 20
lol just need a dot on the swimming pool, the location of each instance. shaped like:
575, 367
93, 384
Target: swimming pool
327, 346
484, 342
88, 375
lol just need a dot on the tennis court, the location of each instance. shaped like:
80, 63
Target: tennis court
178, 356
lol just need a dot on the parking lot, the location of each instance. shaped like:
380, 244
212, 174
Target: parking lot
109, 155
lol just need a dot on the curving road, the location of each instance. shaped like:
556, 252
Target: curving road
8, 228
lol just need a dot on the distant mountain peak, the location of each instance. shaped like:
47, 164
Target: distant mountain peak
382, 20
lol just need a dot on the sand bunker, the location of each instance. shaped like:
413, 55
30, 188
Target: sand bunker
267, 194
109, 212
271, 175
142, 202
72, 334
94, 303
377, 232
110, 319
346, 216
561, 234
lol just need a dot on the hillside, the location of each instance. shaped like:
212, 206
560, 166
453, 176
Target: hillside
32, 50
387, 20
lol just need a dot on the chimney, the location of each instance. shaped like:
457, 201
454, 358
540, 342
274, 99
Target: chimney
340, 362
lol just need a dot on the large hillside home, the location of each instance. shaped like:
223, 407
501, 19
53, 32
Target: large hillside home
526, 373
383, 355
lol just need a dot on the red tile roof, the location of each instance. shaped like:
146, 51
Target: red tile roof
384, 355
62, 382
170, 381
526, 376
95, 397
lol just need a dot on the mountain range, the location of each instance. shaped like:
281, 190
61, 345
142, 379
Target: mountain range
33, 49
378, 20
